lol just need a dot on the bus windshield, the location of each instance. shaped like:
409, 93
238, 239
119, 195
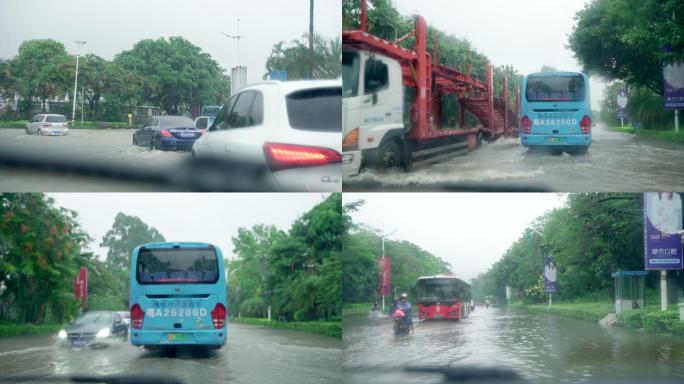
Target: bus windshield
437, 290
555, 88
177, 265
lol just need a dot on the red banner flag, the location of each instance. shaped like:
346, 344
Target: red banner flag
81, 286
384, 277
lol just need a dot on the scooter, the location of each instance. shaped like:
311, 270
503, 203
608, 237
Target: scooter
401, 325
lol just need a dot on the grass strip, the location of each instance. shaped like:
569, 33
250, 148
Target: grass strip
326, 328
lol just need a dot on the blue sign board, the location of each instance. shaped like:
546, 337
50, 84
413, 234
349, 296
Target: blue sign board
549, 275
662, 222
673, 81
622, 99
278, 75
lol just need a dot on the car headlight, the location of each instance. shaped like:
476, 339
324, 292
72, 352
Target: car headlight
103, 333
62, 334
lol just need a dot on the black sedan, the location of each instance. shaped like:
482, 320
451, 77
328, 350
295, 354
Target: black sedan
168, 133
94, 329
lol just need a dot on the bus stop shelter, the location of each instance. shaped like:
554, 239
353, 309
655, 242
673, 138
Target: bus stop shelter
629, 290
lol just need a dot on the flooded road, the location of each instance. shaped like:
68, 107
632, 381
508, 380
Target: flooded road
82, 146
535, 345
252, 355
615, 162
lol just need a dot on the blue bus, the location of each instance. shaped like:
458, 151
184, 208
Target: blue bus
556, 111
178, 295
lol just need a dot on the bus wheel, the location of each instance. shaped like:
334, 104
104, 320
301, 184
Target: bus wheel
389, 156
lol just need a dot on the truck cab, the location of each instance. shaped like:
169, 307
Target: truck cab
372, 111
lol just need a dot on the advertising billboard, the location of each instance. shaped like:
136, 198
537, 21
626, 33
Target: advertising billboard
81, 286
662, 222
549, 275
384, 277
673, 81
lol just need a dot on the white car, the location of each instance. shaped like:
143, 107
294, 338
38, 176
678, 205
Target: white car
49, 124
292, 131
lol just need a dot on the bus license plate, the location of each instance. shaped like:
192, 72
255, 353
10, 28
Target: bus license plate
177, 336
554, 139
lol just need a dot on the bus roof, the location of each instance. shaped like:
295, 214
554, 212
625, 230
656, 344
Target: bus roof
177, 244
555, 73
439, 277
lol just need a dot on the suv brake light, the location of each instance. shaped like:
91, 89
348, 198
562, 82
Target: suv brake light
47, 125
137, 316
218, 316
283, 156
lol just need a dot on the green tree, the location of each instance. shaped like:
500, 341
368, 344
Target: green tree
629, 40
41, 69
174, 74
326, 58
126, 233
40, 253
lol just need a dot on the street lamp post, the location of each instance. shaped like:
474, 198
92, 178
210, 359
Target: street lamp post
79, 43
236, 37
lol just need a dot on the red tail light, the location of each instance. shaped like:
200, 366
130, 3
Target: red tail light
137, 316
165, 133
283, 156
218, 316
585, 124
65, 124
526, 124
204, 133
47, 125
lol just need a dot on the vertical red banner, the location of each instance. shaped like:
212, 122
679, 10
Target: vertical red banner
81, 286
384, 277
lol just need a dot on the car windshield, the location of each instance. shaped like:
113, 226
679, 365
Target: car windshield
94, 318
555, 88
56, 119
318, 109
177, 265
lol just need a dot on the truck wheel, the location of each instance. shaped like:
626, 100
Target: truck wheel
389, 156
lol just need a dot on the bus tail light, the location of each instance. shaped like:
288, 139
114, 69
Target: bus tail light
585, 125
284, 156
526, 125
218, 316
137, 316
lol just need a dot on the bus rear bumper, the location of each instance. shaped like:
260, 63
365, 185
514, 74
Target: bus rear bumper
555, 140
212, 337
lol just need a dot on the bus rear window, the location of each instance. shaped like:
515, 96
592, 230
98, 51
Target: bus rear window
555, 88
177, 266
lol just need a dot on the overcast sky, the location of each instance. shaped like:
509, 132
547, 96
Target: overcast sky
470, 231
524, 33
110, 27
205, 217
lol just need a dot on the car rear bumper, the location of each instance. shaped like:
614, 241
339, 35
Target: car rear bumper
55, 132
555, 140
211, 337
325, 178
174, 144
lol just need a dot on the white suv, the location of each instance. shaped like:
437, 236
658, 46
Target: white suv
290, 130
48, 124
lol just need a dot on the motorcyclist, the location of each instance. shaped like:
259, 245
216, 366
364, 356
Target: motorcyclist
405, 305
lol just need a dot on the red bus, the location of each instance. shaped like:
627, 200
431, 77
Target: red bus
443, 297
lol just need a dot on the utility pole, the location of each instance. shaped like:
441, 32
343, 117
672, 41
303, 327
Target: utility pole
236, 37
311, 37
79, 43
676, 112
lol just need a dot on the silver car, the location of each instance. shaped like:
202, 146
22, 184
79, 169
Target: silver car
48, 124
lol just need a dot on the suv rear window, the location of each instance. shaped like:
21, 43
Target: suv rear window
177, 266
317, 109
56, 119
555, 88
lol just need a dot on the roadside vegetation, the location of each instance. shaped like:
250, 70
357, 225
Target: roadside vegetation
669, 136
628, 42
362, 247
325, 328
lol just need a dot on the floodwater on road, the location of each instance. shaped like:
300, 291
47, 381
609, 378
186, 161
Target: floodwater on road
112, 147
253, 355
535, 345
615, 162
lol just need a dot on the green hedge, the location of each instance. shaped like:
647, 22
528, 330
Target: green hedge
591, 311
327, 328
653, 320
12, 330
357, 309
665, 135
